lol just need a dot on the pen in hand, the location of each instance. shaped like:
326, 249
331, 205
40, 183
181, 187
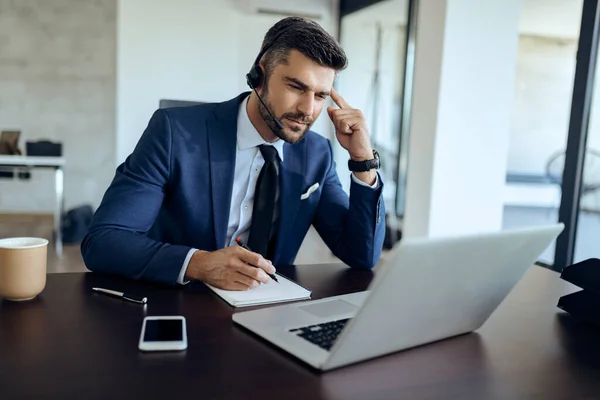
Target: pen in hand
241, 244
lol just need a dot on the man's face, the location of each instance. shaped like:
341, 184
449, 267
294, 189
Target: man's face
295, 93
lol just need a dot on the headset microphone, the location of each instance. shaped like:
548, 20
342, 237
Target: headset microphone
275, 119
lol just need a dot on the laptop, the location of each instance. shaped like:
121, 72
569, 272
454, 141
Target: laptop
429, 289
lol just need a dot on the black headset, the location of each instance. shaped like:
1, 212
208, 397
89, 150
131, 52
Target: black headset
255, 77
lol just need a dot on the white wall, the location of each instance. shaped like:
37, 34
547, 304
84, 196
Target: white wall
465, 64
181, 49
57, 82
186, 50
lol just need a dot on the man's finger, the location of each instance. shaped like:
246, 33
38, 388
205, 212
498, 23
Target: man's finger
348, 124
330, 111
343, 127
339, 100
257, 274
235, 286
257, 260
246, 280
343, 112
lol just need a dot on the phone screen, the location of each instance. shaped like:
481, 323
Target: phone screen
163, 330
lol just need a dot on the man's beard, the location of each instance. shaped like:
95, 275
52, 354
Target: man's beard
299, 131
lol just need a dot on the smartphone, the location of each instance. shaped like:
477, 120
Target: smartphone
163, 333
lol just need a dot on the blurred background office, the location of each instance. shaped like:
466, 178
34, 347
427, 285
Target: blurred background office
470, 104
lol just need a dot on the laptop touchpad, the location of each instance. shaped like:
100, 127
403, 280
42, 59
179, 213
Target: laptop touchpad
329, 308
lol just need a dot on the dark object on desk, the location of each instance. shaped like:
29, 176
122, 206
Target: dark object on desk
44, 148
76, 223
24, 175
584, 304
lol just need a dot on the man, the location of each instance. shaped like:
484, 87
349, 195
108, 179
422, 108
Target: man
203, 176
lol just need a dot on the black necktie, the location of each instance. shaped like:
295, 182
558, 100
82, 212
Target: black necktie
264, 203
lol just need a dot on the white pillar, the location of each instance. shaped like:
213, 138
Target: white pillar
465, 62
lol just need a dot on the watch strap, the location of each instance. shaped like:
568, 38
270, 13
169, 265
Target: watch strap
366, 165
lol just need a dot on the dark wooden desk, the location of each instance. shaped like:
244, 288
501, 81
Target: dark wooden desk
72, 343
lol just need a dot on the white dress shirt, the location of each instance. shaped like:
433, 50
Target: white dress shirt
248, 163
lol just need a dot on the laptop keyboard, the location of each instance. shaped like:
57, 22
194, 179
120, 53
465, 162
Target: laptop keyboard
323, 335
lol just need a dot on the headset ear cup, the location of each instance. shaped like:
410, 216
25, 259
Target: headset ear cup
255, 76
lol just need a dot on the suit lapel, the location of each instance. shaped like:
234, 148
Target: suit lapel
222, 134
291, 179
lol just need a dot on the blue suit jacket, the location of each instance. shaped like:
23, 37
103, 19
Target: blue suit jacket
174, 191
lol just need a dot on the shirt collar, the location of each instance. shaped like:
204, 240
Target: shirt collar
248, 136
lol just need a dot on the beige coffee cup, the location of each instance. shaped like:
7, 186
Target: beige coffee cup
22, 267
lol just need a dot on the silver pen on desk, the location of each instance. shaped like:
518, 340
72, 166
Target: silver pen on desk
124, 296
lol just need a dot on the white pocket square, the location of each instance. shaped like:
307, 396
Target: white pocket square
309, 191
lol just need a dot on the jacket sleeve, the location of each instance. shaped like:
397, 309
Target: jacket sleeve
353, 228
117, 242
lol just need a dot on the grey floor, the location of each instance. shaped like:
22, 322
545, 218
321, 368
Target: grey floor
588, 230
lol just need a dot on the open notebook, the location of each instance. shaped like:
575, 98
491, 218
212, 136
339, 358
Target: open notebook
266, 293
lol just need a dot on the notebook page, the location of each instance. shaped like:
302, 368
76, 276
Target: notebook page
265, 293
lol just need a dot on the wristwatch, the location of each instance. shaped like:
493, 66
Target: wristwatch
367, 165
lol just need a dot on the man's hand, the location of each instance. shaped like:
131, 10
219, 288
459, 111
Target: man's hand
352, 134
228, 268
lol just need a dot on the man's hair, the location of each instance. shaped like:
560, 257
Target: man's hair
306, 36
